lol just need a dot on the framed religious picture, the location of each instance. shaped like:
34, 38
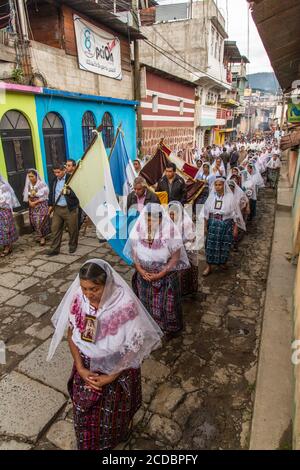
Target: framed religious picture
218, 205
90, 332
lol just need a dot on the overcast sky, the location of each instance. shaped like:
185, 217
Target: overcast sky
237, 29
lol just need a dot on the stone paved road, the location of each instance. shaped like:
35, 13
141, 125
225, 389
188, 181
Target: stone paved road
198, 389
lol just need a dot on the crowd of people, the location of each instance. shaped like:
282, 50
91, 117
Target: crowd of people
111, 327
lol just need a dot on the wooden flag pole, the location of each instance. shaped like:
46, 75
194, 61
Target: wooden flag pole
98, 130
115, 140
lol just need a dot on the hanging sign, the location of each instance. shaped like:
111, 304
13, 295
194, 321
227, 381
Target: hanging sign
98, 51
293, 112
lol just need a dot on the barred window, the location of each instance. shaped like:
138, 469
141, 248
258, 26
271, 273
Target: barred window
108, 130
88, 125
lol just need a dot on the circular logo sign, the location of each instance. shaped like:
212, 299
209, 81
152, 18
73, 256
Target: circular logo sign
88, 42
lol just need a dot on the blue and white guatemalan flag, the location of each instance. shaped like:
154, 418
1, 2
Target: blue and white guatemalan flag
93, 185
121, 167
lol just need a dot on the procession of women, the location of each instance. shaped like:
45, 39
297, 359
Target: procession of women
111, 327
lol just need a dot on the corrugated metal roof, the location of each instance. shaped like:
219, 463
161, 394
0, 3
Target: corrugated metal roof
232, 52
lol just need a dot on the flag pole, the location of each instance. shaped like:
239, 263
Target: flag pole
98, 130
115, 140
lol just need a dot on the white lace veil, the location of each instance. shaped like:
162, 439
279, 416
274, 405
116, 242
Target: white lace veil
222, 166
183, 222
274, 164
228, 204
200, 173
7, 195
230, 208
230, 172
126, 334
256, 176
239, 198
41, 188
167, 239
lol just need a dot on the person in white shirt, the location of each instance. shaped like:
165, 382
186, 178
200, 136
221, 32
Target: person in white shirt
215, 151
204, 174
273, 170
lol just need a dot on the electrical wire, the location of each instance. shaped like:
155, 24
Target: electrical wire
32, 35
181, 58
164, 52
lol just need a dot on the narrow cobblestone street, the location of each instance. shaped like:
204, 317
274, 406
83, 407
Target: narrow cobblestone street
198, 390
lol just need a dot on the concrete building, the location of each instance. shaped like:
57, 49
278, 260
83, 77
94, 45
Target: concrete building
233, 100
191, 47
65, 69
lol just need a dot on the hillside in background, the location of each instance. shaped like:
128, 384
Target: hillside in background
265, 81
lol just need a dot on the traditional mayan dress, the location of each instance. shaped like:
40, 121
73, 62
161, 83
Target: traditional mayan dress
250, 187
124, 334
242, 202
102, 418
161, 298
38, 215
8, 201
188, 277
219, 211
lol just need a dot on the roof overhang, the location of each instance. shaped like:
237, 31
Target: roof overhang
278, 25
206, 80
232, 52
100, 12
219, 27
229, 102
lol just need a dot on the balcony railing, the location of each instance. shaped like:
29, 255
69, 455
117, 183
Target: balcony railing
221, 113
7, 47
7, 38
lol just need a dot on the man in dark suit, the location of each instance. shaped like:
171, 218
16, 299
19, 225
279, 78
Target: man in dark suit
173, 184
234, 158
64, 203
225, 157
141, 195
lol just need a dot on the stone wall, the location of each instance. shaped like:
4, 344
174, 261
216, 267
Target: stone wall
174, 137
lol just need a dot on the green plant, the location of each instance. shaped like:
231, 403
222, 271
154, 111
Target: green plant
17, 75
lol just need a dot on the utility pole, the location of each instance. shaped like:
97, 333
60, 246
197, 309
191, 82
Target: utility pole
22, 44
191, 9
23, 20
137, 74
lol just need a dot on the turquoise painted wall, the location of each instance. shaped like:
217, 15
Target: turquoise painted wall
72, 110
